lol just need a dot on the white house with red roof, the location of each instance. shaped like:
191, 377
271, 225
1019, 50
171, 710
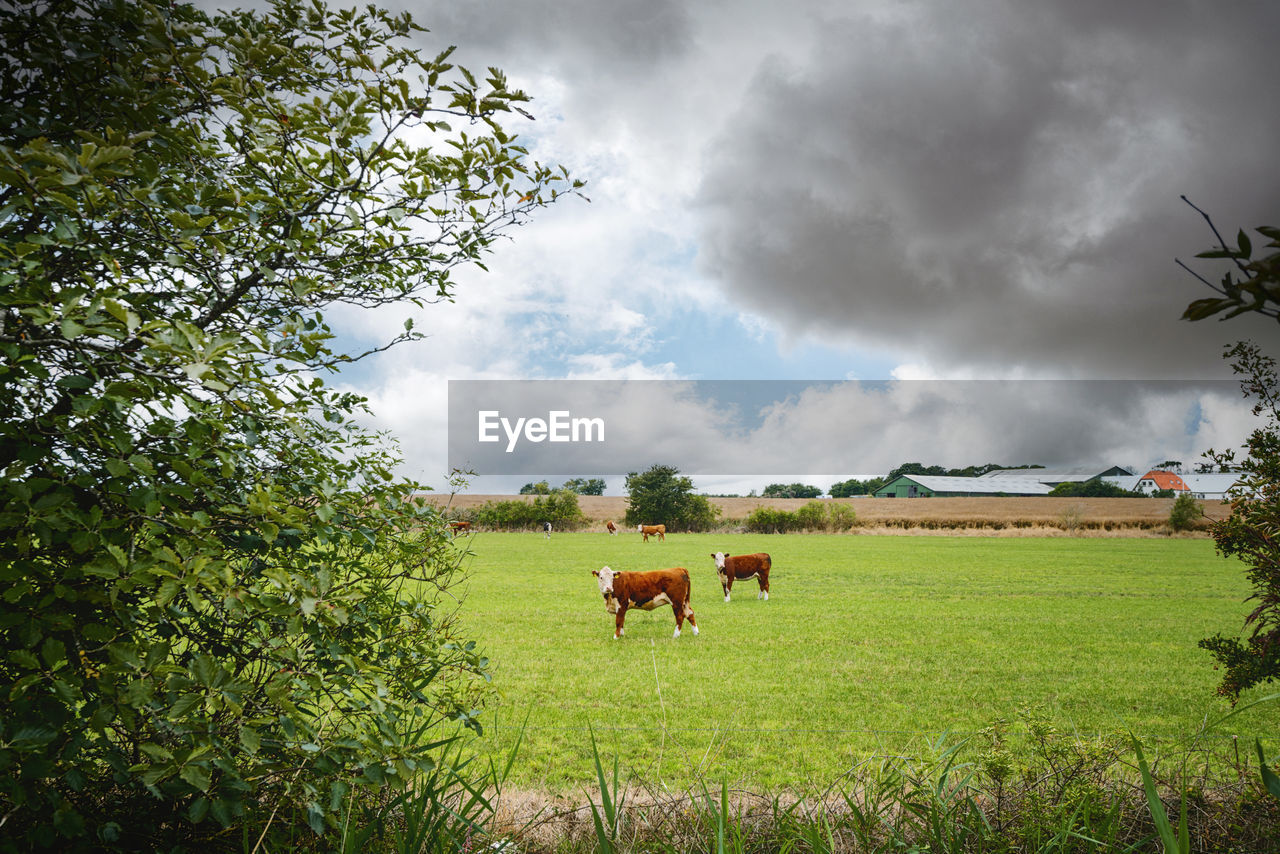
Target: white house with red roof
1160, 479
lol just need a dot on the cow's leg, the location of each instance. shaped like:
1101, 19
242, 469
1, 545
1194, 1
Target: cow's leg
688, 612
617, 622
764, 587
678, 609
728, 586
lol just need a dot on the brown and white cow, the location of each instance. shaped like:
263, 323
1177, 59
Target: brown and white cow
611, 528
646, 591
650, 530
732, 567
460, 528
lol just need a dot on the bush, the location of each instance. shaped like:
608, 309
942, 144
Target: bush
560, 508
766, 520
841, 517
220, 604
1185, 513
812, 517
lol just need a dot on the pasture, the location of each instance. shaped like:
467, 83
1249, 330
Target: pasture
868, 647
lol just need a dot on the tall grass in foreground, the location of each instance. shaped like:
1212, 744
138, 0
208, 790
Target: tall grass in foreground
1067, 795
1061, 793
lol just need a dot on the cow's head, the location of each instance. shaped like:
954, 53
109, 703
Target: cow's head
640, 528
604, 577
719, 558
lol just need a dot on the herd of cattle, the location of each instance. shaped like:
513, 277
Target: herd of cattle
651, 589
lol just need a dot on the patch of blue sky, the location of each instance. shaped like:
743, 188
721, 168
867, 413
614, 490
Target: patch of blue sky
704, 345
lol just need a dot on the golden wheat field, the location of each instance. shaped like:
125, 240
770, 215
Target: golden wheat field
1033, 515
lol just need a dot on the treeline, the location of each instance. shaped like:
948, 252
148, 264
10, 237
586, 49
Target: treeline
1099, 488
814, 516
576, 485
560, 508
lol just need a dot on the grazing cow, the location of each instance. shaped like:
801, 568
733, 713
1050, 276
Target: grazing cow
648, 530
733, 567
612, 528
646, 591
546, 529
457, 528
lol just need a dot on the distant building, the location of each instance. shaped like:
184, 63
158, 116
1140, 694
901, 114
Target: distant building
928, 486
1053, 477
1160, 479
1037, 481
1210, 486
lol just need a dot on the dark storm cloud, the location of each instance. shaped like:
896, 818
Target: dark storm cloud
996, 185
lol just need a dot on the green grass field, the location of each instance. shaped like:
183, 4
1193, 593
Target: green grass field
868, 647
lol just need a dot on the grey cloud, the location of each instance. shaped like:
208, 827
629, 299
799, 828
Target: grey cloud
997, 184
757, 428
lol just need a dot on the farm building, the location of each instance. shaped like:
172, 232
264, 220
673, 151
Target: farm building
1210, 486
926, 486
1159, 479
1053, 477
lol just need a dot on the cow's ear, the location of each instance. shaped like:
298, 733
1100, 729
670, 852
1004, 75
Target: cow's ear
596, 573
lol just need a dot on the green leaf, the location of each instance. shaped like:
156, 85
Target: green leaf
1246, 248
196, 775
250, 740
1269, 778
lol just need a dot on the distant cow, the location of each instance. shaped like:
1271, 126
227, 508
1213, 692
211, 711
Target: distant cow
646, 591
733, 567
647, 530
612, 528
546, 529
460, 528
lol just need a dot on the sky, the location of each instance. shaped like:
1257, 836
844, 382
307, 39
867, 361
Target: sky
882, 190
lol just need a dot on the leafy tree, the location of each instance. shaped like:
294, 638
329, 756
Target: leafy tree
660, 496
218, 601
791, 490
852, 487
1249, 285
585, 486
539, 488
1249, 531
940, 471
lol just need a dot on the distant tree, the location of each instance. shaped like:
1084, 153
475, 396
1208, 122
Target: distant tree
539, 488
940, 471
660, 495
585, 486
1093, 488
915, 468
1174, 466
791, 490
851, 487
